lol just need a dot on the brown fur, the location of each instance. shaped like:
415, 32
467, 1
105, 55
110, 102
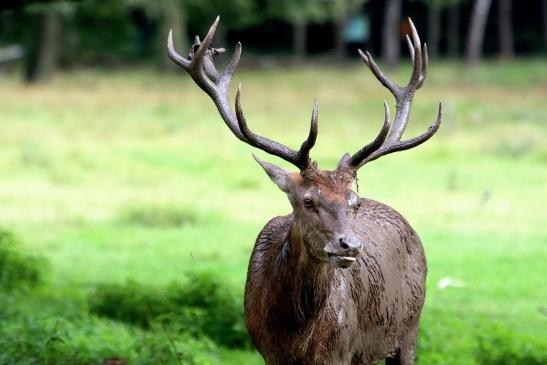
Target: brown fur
302, 310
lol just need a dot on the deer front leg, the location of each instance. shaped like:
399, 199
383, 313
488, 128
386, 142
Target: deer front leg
407, 350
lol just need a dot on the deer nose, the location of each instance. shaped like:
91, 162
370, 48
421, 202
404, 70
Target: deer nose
349, 243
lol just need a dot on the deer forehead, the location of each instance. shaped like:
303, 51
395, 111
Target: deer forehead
328, 185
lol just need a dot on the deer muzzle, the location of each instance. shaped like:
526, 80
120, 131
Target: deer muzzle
344, 251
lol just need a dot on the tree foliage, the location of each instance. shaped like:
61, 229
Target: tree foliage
442, 4
310, 11
235, 14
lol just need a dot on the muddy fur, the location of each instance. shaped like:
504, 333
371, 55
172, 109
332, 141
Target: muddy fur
301, 310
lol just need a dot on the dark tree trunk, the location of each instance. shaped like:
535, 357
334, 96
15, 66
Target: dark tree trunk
390, 33
43, 53
505, 27
454, 31
340, 46
545, 23
299, 36
476, 31
339, 23
172, 17
433, 30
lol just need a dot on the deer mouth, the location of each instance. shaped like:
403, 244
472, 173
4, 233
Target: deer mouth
342, 261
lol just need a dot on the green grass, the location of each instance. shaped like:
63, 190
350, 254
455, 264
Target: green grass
117, 176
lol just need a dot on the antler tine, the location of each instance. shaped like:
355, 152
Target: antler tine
358, 159
425, 59
425, 64
298, 158
173, 54
307, 145
199, 55
416, 76
410, 47
226, 79
390, 85
403, 97
409, 143
201, 67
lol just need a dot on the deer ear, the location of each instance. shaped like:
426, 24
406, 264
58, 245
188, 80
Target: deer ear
279, 176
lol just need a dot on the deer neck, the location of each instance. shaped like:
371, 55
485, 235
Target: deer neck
306, 280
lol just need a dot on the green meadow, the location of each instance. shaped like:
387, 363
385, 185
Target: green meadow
123, 192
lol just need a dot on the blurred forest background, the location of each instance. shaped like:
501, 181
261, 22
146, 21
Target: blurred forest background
54, 35
128, 211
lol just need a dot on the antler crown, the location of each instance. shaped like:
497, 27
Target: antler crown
201, 67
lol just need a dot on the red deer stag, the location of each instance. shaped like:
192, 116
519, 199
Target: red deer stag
340, 280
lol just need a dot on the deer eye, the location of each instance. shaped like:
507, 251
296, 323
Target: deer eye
308, 202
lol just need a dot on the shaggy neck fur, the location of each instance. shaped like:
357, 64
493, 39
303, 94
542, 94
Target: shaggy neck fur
305, 280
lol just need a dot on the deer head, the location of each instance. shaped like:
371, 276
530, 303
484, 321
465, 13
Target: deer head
323, 201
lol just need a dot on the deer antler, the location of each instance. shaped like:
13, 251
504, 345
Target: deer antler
201, 67
385, 142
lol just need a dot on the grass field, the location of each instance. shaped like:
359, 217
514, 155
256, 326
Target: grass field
132, 175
